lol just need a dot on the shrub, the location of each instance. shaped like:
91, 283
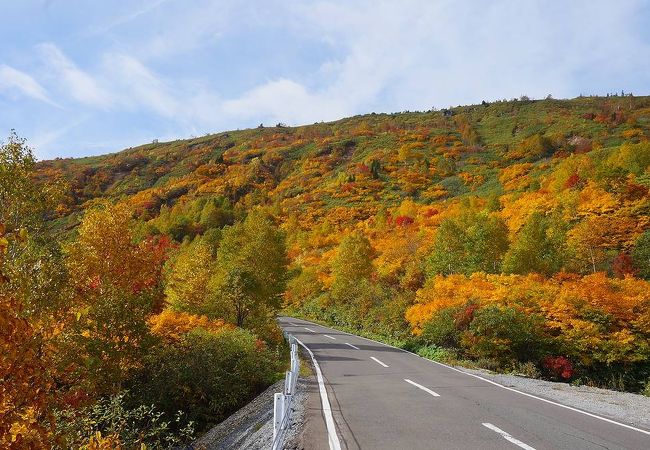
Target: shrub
558, 367
646, 389
115, 424
436, 353
441, 329
491, 364
403, 221
445, 328
208, 375
506, 334
528, 369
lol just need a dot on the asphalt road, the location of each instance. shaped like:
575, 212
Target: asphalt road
385, 398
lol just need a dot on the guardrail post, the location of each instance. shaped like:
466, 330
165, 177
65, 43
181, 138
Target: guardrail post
282, 401
295, 364
287, 383
278, 413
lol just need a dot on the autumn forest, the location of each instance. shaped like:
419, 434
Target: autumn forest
139, 289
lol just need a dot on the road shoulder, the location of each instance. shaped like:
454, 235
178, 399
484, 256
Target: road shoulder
626, 407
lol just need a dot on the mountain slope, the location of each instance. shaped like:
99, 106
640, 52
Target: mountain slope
514, 234
347, 170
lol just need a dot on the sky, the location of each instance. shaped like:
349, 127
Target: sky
82, 78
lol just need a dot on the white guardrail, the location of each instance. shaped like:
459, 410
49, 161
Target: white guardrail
282, 401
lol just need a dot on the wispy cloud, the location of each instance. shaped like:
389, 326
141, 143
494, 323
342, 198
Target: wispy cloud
140, 87
42, 141
80, 85
171, 68
126, 18
13, 80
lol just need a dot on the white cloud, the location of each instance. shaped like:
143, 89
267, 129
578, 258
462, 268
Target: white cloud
12, 80
139, 86
79, 84
416, 54
153, 61
284, 101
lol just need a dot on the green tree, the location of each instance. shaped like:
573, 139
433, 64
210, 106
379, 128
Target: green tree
351, 266
216, 213
448, 250
117, 287
236, 297
30, 281
539, 247
187, 277
23, 201
303, 287
506, 334
474, 242
251, 270
641, 255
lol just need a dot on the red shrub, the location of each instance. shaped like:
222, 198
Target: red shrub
558, 366
623, 265
403, 221
363, 169
572, 181
465, 316
635, 191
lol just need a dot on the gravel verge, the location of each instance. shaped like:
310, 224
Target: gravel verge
633, 409
251, 428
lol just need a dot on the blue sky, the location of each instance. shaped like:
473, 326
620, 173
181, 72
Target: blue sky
84, 77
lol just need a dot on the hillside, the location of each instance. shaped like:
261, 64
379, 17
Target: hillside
349, 170
576, 169
512, 236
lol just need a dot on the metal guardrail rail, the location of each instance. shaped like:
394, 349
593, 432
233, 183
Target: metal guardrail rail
282, 401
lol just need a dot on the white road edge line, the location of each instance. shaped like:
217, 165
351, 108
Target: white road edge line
378, 362
332, 437
309, 329
328, 336
630, 427
425, 389
508, 437
353, 346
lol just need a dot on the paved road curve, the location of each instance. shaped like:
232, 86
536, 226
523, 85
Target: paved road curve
384, 398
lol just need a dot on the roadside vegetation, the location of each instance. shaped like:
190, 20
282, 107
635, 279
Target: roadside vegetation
114, 340
136, 286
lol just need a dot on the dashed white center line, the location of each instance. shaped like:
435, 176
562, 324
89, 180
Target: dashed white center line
353, 346
425, 389
328, 336
507, 436
309, 329
378, 362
